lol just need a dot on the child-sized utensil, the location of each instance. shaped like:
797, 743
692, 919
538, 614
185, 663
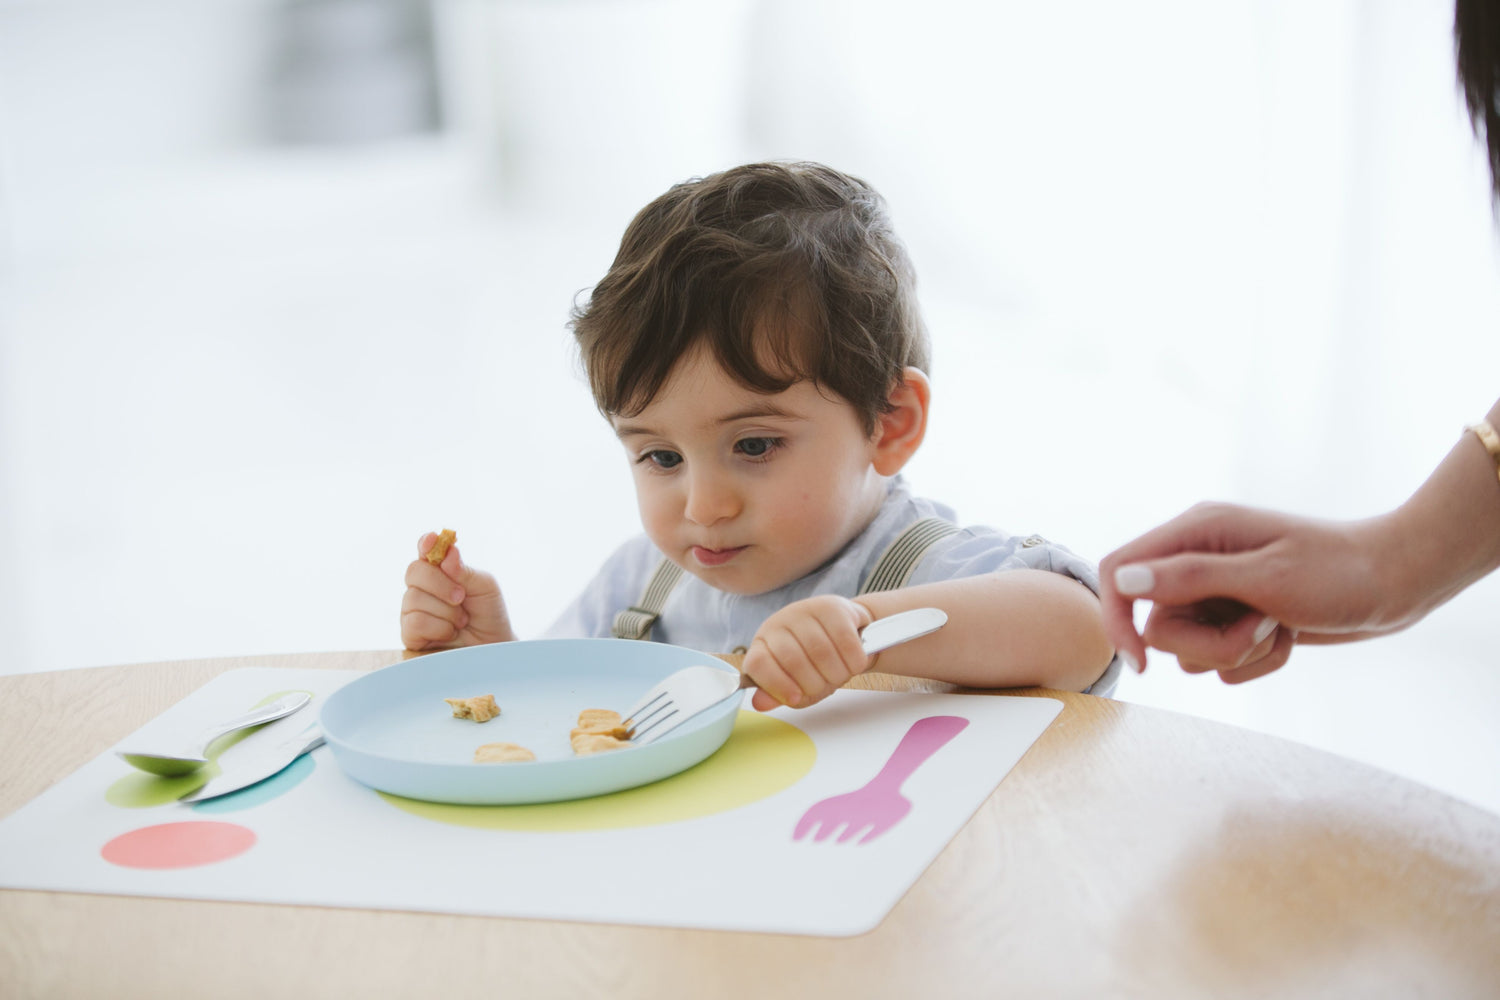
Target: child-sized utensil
265, 763
879, 805
195, 754
687, 692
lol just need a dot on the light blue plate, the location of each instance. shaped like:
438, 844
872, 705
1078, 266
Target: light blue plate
392, 730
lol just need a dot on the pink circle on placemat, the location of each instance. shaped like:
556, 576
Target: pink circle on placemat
178, 845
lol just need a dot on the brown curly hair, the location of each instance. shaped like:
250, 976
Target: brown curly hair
786, 271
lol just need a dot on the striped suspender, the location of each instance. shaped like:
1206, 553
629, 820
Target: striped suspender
892, 570
635, 622
895, 565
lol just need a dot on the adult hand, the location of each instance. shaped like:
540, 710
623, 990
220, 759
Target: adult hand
1234, 588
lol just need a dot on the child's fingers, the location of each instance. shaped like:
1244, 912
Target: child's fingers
834, 660
421, 601
422, 630
425, 544
771, 663
422, 575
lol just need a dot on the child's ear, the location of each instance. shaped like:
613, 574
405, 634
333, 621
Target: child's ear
899, 433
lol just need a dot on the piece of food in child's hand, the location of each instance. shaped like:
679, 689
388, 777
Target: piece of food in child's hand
439, 548
480, 708
502, 753
585, 742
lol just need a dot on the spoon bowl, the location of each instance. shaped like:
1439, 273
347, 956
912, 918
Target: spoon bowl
195, 754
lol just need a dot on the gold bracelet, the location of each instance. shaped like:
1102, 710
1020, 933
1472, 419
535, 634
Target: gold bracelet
1491, 441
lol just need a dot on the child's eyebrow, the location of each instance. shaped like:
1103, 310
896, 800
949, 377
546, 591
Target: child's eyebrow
749, 413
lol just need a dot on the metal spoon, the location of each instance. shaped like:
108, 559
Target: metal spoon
195, 755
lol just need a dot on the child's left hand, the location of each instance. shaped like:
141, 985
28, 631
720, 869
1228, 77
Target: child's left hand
806, 651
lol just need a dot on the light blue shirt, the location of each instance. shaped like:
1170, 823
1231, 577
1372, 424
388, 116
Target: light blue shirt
701, 617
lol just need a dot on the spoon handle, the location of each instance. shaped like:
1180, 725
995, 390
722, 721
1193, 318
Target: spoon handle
283, 706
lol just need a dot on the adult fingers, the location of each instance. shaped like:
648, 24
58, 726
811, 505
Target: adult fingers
1193, 577
1213, 635
1205, 527
1129, 573
1281, 651
1119, 622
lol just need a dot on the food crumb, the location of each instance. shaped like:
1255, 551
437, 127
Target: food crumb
439, 548
502, 753
599, 730
480, 708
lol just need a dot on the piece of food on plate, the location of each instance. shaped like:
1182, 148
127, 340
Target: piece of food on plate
598, 730
439, 548
585, 743
480, 708
502, 753
602, 720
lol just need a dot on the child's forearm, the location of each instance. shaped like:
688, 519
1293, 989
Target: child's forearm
1014, 629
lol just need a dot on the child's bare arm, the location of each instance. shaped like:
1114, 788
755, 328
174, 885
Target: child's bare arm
450, 604
1013, 629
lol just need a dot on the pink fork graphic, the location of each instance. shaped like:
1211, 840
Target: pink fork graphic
880, 805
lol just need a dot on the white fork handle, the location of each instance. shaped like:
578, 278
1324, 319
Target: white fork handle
883, 633
892, 630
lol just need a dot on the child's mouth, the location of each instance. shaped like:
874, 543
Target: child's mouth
715, 557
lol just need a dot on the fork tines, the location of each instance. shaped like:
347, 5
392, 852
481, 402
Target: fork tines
649, 714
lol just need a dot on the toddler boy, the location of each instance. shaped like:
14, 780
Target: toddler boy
757, 348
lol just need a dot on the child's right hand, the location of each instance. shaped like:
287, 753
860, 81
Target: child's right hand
450, 604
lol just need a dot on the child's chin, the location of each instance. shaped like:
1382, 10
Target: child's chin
735, 583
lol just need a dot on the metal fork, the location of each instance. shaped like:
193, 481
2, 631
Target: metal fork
684, 694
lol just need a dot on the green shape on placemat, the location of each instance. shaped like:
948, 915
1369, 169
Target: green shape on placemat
138, 790
762, 757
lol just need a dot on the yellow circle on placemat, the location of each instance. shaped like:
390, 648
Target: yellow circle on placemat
762, 757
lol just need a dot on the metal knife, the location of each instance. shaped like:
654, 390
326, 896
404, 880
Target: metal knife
266, 763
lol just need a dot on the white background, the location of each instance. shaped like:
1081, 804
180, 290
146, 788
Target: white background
1168, 251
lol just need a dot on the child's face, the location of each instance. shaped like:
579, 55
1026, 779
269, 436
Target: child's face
745, 490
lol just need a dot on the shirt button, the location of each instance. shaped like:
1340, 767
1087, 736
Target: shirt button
1033, 542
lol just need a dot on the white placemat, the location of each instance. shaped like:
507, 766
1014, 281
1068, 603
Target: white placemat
711, 848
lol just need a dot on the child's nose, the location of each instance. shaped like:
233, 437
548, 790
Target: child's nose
711, 498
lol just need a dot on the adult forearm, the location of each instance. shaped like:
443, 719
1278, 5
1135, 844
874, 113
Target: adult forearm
1012, 629
1447, 535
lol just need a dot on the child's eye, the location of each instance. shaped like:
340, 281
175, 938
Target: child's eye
662, 459
757, 447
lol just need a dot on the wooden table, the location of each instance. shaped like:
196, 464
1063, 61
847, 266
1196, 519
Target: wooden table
1132, 852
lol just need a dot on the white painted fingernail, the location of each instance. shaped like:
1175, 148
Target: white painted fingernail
1265, 628
1130, 661
1133, 580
